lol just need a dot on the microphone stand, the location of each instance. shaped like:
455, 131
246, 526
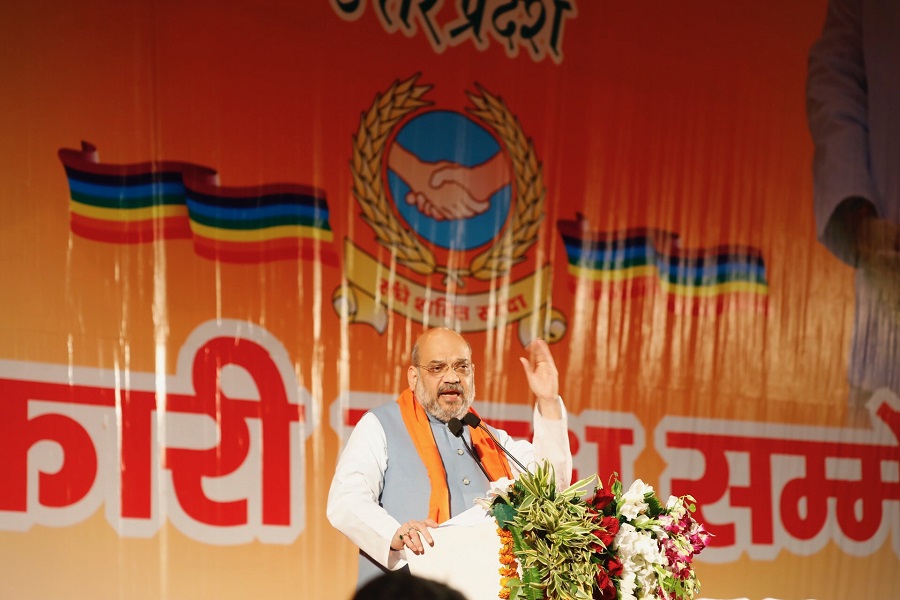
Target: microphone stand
456, 428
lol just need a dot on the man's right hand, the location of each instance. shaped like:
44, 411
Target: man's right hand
413, 535
878, 244
858, 236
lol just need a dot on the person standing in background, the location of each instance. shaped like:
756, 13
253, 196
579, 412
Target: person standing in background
853, 110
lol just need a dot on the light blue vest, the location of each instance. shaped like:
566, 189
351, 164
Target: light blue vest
407, 489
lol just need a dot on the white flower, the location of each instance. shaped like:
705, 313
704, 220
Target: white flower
501, 488
633, 502
626, 539
640, 556
675, 507
626, 585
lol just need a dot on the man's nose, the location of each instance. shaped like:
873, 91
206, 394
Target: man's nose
451, 376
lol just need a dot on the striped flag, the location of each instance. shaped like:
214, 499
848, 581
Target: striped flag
636, 262
139, 203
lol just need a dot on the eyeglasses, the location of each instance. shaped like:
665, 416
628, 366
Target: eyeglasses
437, 370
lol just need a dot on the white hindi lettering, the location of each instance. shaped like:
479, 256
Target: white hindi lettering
219, 451
763, 487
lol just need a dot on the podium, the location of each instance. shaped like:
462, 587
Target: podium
465, 555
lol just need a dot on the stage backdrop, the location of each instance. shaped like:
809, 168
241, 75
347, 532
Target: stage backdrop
225, 223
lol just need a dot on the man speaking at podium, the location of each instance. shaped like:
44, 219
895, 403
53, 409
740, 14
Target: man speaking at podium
409, 465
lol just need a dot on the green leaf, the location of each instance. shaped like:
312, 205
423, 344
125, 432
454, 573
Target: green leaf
652, 501
504, 513
531, 578
617, 489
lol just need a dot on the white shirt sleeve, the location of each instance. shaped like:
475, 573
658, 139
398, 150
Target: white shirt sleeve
551, 442
353, 507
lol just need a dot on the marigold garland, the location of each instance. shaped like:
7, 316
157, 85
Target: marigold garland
510, 566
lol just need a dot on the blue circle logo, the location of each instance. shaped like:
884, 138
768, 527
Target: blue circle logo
449, 180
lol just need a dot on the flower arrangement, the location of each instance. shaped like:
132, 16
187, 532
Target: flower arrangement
606, 544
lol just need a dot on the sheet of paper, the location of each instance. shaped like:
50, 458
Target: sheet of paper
474, 516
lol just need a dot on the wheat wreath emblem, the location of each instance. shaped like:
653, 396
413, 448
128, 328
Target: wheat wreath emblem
376, 125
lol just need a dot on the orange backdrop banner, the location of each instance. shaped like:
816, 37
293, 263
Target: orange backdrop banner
226, 224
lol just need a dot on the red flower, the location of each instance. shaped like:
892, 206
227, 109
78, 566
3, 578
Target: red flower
605, 533
611, 524
606, 589
614, 567
602, 578
602, 498
609, 592
604, 539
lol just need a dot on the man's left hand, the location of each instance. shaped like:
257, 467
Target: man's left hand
543, 378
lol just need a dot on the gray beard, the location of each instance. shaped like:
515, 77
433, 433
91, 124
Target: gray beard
433, 407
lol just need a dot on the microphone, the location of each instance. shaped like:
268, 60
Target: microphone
456, 428
473, 421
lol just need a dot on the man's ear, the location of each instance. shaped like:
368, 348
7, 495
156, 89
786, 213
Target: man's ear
412, 377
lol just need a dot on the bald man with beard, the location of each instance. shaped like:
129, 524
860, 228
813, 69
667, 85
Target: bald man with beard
403, 471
